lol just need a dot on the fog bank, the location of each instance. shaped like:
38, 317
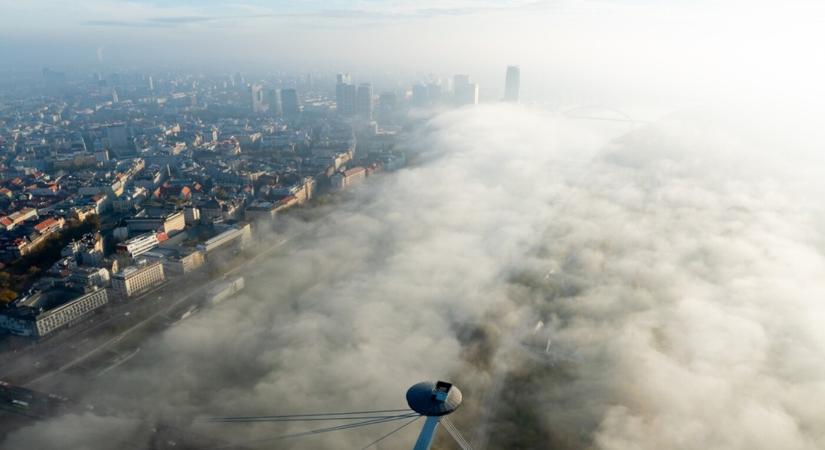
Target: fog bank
676, 268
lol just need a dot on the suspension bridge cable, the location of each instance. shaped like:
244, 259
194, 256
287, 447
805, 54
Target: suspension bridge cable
317, 431
348, 413
390, 433
456, 435
301, 419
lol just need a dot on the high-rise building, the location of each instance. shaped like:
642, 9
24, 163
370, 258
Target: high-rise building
343, 78
151, 84
273, 102
387, 103
363, 103
434, 93
345, 95
460, 81
511, 84
114, 96
257, 98
237, 80
466, 93
290, 103
420, 96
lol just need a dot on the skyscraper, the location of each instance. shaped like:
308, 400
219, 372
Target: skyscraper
460, 80
290, 104
387, 103
345, 95
466, 93
420, 96
434, 93
345, 99
511, 84
257, 98
273, 102
363, 103
237, 80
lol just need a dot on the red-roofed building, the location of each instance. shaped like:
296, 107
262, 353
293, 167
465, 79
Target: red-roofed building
50, 225
16, 218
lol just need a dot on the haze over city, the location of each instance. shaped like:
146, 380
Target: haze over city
575, 224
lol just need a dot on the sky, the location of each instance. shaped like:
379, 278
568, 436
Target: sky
570, 51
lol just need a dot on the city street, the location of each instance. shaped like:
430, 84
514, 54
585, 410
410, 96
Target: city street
115, 331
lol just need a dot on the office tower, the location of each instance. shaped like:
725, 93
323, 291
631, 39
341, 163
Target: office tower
363, 103
433, 93
237, 80
257, 98
420, 96
446, 84
290, 104
151, 84
387, 103
99, 80
273, 102
511, 84
345, 95
114, 96
472, 96
460, 81
465, 93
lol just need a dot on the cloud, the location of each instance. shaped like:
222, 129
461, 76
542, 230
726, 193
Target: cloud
676, 271
377, 12
154, 22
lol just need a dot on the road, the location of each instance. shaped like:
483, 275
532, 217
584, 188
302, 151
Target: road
35, 366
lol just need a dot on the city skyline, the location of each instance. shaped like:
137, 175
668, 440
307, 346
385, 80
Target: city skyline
571, 45
487, 224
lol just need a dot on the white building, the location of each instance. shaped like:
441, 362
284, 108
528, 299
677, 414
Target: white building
168, 222
234, 236
137, 279
175, 261
72, 312
466, 93
511, 84
27, 319
139, 244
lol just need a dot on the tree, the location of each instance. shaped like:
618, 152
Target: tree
7, 296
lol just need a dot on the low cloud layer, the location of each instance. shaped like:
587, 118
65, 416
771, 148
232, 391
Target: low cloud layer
586, 286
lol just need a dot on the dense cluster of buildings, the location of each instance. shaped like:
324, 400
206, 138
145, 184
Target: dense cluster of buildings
138, 179
168, 174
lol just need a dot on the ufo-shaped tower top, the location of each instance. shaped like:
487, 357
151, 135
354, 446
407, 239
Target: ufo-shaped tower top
430, 398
